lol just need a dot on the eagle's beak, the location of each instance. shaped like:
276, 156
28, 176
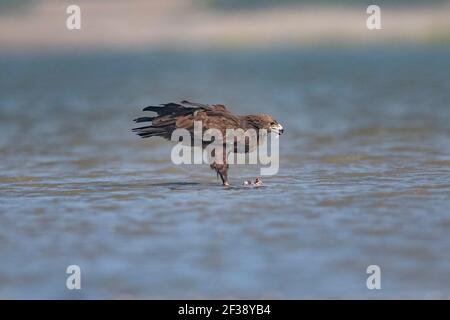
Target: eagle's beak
278, 128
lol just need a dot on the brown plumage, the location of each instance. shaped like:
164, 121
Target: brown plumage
172, 116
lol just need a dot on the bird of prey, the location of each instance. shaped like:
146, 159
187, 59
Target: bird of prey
172, 116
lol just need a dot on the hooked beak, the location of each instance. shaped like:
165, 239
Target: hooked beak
278, 128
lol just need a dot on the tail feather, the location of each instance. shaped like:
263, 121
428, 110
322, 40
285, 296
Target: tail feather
165, 108
149, 131
154, 108
167, 114
143, 128
143, 119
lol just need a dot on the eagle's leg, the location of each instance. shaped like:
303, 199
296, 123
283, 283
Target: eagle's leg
224, 174
222, 171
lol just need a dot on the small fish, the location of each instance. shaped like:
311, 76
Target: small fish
248, 183
258, 182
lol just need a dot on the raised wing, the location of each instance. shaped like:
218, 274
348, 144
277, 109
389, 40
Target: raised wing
171, 116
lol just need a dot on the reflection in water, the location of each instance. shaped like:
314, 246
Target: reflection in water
364, 177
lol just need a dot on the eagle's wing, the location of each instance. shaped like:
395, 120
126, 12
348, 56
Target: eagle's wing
172, 116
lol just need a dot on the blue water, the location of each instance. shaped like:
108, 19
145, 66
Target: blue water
364, 177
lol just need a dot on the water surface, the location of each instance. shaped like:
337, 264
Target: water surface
364, 177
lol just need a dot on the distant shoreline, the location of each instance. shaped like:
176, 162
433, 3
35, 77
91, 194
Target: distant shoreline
179, 25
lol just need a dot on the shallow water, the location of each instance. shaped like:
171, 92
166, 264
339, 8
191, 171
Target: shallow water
364, 177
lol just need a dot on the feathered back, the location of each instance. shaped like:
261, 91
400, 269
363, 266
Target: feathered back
172, 116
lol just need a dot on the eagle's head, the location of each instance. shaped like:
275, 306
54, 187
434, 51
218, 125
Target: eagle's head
264, 121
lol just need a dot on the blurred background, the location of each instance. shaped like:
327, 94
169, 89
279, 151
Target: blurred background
37, 25
364, 161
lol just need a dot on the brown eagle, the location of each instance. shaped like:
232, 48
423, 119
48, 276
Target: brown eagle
172, 116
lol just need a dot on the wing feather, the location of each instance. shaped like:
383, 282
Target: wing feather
171, 116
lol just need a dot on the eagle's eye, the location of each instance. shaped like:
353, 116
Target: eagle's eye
272, 123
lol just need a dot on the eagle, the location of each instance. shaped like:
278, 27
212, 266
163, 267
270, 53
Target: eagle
172, 116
